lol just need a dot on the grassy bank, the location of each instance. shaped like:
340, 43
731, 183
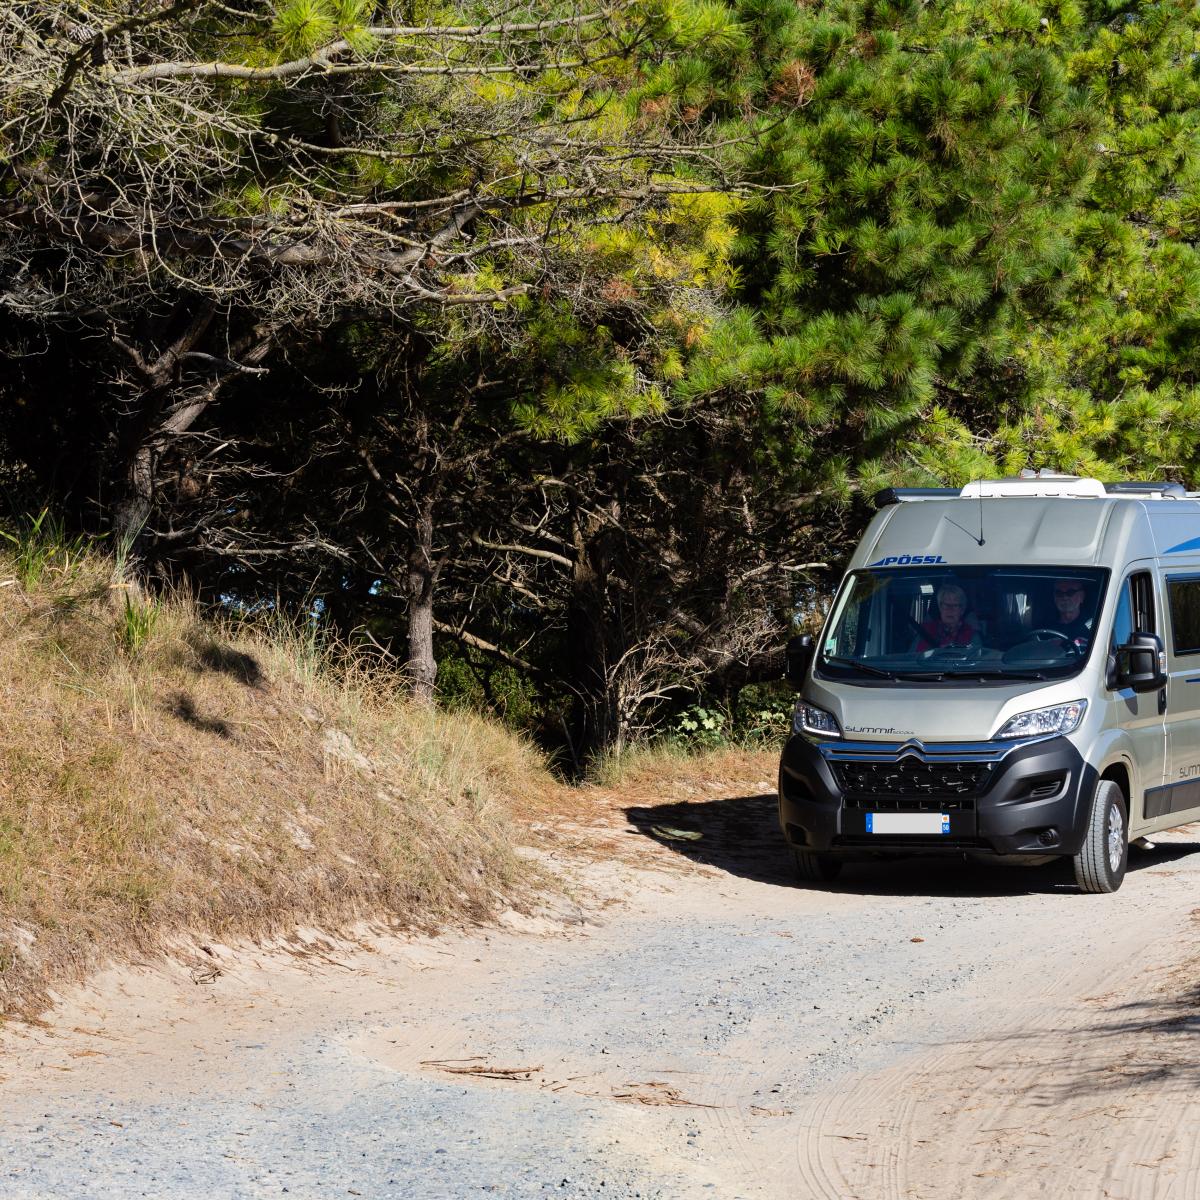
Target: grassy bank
659, 764
164, 777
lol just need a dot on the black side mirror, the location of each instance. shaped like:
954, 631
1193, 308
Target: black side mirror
799, 659
1141, 663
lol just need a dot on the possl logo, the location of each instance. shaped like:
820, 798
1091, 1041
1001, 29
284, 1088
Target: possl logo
908, 560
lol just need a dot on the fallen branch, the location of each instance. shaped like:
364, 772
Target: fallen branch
656, 1092
479, 1069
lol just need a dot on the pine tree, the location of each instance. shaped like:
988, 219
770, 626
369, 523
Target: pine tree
205, 189
1112, 382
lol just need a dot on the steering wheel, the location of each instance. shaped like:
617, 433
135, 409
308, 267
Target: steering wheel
1046, 635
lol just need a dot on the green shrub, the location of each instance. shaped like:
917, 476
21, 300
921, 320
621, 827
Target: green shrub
702, 728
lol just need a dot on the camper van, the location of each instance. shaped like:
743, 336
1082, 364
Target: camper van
1011, 669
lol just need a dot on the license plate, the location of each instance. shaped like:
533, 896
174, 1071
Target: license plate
894, 822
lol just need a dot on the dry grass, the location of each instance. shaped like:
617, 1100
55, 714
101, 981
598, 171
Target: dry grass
661, 764
162, 777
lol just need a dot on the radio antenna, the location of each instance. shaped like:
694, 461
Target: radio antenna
965, 494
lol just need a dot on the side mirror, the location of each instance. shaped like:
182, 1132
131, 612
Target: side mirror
799, 659
1141, 663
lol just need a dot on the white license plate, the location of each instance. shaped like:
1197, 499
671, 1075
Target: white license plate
908, 822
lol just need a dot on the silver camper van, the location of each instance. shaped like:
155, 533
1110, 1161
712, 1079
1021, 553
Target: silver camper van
1010, 669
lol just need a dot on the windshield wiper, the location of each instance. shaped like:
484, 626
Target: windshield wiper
996, 675
860, 666
930, 676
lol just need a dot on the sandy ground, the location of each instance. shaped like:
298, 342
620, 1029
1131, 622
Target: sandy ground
683, 1022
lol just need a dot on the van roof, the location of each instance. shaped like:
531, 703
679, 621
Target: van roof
1031, 527
1040, 484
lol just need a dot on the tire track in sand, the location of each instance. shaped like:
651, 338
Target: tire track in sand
1087, 1086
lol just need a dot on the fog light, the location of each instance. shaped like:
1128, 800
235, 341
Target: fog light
1048, 836
796, 835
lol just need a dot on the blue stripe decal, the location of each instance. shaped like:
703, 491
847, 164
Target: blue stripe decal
1190, 544
1192, 679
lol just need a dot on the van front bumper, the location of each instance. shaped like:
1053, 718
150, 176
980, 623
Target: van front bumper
1024, 797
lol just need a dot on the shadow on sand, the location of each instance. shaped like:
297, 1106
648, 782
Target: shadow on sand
1148, 1047
740, 835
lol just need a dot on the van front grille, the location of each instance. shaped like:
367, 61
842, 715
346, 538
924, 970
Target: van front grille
911, 804
909, 776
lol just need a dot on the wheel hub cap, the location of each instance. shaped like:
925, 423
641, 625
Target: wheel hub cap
1116, 838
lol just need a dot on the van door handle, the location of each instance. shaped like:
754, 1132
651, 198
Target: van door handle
1162, 701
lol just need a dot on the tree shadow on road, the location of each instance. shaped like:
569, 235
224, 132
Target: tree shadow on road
1150, 1043
1148, 1047
740, 835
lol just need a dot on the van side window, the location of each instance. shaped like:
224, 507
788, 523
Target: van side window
1135, 609
1141, 587
1183, 592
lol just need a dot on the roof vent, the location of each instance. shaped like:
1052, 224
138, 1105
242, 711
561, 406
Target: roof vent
1041, 484
1147, 490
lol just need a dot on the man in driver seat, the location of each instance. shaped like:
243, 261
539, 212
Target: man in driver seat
1069, 595
948, 628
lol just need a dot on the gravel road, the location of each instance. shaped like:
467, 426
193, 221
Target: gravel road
690, 1024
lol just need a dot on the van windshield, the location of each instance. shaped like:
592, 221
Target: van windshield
963, 624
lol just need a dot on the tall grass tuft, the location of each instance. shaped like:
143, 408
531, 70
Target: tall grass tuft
41, 547
139, 616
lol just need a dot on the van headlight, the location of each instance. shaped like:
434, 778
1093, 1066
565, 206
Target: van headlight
1060, 718
808, 718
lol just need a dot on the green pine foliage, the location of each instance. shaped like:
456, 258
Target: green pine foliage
925, 178
972, 249
1112, 382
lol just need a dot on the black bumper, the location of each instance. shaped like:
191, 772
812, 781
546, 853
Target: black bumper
1030, 799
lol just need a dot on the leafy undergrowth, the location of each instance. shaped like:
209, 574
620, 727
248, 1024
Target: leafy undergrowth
163, 777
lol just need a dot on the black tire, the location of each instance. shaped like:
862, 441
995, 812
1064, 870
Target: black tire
1102, 859
817, 868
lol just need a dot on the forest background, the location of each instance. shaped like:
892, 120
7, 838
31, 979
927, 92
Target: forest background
553, 352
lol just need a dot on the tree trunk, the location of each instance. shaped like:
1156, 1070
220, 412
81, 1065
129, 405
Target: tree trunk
132, 511
421, 580
171, 409
597, 723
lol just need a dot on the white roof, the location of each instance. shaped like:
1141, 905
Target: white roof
1041, 485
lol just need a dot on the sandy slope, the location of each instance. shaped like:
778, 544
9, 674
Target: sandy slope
686, 1023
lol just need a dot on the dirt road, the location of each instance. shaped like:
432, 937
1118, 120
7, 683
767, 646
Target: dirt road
687, 1023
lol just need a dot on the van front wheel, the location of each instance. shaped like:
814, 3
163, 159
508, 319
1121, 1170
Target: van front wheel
817, 868
1101, 861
